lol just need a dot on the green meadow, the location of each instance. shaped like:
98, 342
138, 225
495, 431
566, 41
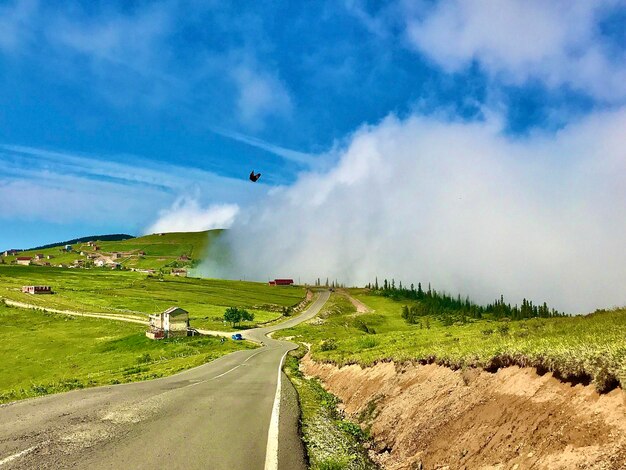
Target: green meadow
590, 348
135, 294
46, 353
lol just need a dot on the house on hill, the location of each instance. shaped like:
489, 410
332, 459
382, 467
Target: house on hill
281, 282
67, 247
10, 253
184, 258
37, 289
23, 260
179, 272
39, 256
171, 323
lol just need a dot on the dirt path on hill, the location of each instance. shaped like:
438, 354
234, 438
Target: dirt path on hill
105, 316
360, 306
433, 417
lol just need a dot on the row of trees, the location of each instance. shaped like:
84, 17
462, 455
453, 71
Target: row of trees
235, 315
333, 284
452, 309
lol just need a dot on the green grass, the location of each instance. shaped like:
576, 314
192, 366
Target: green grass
131, 293
46, 353
161, 251
331, 441
578, 349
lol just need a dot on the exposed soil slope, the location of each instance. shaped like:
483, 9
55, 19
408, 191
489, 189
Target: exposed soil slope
360, 306
428, 416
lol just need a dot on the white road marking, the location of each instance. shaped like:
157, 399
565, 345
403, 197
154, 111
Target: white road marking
271, 451
227, 372
11, 458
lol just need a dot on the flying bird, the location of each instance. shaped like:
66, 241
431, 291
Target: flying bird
254, 177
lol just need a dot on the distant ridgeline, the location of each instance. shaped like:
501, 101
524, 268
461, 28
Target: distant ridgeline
116, 237
451, 309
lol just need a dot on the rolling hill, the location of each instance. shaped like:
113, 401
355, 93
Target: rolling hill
164, 251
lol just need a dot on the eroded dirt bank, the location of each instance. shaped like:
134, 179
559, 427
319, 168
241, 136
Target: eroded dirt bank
512, 419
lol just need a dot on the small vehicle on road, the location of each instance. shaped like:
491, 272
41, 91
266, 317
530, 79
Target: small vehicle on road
237, 337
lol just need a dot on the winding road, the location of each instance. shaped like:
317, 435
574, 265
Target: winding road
237, 412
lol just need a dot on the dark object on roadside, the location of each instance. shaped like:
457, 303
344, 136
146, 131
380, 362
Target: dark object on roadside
237, 337
254, 177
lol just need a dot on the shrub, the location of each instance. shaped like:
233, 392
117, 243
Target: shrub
361, 325
367, 342
144, 358
352, 429
332, 463
328, 345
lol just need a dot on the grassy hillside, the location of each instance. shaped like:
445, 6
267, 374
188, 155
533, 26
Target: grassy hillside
46, 353
580, 349
159, 251
133, 293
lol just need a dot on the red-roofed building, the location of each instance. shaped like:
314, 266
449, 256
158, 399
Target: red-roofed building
281, 282
37, 289
23, 260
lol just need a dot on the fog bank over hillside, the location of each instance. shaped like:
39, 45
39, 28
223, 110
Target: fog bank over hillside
456, 204
187, 215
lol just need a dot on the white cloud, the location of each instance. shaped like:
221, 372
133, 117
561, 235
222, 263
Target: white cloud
302, 158
58, 187
456, 204
261, 94
70, 199
15, 18
186, 215
557, 42
135, 41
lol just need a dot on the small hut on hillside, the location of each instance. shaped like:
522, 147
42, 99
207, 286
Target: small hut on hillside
37, 289
173, 322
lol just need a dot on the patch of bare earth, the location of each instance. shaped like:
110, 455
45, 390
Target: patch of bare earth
360, 306
428, 416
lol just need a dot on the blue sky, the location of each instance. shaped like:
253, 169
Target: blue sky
114, 113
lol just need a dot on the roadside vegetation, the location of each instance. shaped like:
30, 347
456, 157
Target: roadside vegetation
581, 349
135, 294
45, 353
331, 442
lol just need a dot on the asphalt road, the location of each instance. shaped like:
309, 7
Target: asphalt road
216, 416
